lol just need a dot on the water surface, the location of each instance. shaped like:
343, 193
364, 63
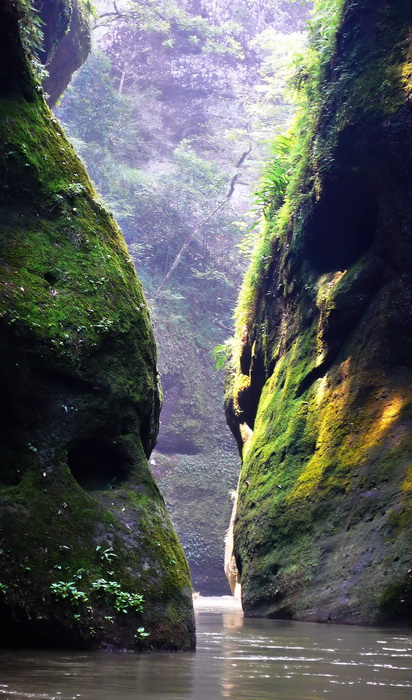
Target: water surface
236, 658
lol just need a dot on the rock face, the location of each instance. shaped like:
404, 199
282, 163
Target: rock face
83, 528
194, 461
324, 380
67, 42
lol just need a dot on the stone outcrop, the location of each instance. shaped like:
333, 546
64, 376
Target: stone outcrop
83, 528
67, 42
324, 377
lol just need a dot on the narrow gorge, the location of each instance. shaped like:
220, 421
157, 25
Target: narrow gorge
154, 154
171, 112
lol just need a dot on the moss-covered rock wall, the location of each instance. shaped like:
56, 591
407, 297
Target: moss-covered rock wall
320, 398
83, 528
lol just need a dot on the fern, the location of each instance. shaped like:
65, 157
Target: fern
275, 176
32, 37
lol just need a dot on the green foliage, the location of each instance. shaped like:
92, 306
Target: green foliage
310, 65
68, 590
106, 554
115, 116
176, 28
92, 103
157, 212
271, 104
280, 181
122, 600
268, 199
275, 175
30, 26
31, 32
222, 353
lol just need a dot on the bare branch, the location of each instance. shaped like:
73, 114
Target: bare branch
201, 225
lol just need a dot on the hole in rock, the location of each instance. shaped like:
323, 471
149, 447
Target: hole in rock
314, 374
41, 633
97, 466
343, 225
50, 277
282, 613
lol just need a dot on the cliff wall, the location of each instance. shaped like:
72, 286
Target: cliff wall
320, 395
84, 531
194, 462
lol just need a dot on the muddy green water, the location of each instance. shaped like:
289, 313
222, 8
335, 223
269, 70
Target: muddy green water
236, 658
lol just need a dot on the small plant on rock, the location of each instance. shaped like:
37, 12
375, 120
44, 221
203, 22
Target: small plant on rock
67, 589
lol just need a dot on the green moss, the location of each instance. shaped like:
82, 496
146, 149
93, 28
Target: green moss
319, 373
59, 213
364, 82
80, 401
